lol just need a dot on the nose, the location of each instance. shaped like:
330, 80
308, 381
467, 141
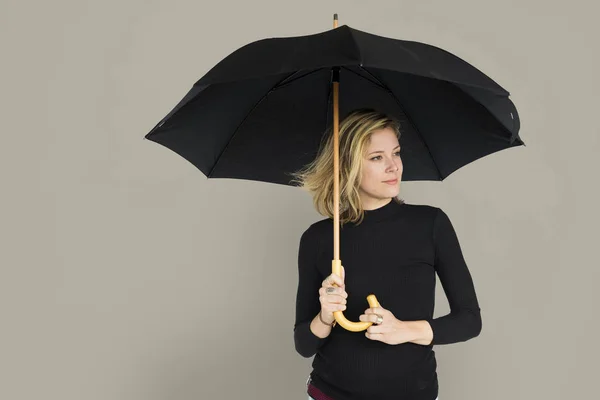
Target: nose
394, 165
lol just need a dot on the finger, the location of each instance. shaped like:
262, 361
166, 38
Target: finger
337, 295
330, 290
379, 329
335, 278
331, 280
331, 301
374, 336
368, 318
335, 299
332, 307
335, 291
375, 310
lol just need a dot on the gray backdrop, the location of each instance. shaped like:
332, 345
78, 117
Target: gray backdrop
126, 274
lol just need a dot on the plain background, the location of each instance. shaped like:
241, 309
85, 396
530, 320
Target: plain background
126, 274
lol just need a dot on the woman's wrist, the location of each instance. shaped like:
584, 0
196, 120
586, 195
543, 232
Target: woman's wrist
319, 328
325, 322
422, 332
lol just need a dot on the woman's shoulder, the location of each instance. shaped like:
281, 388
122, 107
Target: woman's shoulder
319, 227
420, 212
435, 216
427, 209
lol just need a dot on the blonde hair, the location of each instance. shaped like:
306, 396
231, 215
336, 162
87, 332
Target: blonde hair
355, 132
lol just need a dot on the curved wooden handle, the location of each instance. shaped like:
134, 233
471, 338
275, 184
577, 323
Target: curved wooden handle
336, 267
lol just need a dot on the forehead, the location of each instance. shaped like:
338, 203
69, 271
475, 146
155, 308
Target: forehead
383, 139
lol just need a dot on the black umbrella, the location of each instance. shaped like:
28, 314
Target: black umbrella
260, 114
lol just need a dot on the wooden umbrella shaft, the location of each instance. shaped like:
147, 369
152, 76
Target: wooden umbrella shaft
336, 169
336, 263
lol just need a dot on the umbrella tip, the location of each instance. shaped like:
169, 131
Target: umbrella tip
335, 17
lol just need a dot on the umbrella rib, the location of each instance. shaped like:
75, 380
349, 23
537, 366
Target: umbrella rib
280, 84
244, 119
376, 83
384, 86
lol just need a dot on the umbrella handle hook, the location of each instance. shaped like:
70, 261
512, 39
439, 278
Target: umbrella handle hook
336, 267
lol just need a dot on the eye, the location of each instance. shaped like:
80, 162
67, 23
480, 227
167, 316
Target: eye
378, 157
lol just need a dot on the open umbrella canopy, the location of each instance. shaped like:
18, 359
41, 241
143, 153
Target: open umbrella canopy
261, 113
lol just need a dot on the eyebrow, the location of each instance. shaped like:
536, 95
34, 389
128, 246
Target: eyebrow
381, 151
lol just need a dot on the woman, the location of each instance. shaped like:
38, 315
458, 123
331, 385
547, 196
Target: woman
389, 248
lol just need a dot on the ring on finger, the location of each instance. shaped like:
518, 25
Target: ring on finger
379, 319
330, 290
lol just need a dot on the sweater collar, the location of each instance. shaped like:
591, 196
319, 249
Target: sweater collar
380, 214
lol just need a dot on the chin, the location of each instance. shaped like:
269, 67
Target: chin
394, 192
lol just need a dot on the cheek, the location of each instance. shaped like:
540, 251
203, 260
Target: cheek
367, 178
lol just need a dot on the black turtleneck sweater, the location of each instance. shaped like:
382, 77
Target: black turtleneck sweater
395, 254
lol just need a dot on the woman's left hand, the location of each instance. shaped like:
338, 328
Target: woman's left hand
390, 331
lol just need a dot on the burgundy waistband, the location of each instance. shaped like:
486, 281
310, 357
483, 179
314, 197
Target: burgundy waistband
316, 394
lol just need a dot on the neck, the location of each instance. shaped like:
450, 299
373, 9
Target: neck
373, 204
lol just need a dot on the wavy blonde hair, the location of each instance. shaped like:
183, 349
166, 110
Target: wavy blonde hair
355, 132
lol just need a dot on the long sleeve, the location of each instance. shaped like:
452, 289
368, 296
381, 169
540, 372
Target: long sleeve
464, 320
307, 297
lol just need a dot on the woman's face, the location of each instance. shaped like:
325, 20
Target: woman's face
381, 164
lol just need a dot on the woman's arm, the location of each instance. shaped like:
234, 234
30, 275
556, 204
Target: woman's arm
422, 332
309, 332
464, 320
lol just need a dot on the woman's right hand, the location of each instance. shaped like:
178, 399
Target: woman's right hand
332, 298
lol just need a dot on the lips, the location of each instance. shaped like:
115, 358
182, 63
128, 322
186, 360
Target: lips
392, 182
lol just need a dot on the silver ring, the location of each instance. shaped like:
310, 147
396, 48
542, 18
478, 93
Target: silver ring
330, 290
379, 319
